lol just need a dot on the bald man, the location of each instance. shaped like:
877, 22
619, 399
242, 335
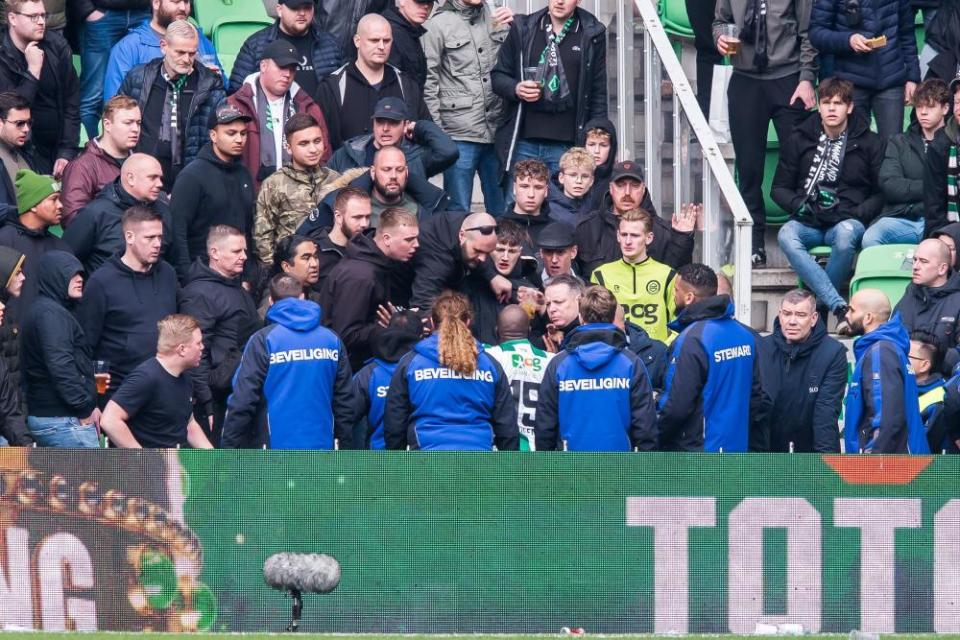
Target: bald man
95, 234
882, 411
452, 246
931, 302
348, 96
524, 365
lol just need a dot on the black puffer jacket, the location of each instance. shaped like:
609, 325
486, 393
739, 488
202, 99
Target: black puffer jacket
339, 18
901, 174
805, 382
209, 192
227, 317
33, 245
96, 233
56, 359
406, 52
934, 310
590, 96
858, 189
139, 83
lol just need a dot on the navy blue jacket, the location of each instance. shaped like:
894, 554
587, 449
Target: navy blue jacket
296, 372
882, 412
596, 396
652, 353
139, 83
327, 56
882, 68
372, 382
805, 382
712, 399
432, 407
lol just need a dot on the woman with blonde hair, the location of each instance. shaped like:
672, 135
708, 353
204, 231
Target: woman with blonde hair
447, 394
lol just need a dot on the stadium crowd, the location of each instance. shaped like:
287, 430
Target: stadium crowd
266, 259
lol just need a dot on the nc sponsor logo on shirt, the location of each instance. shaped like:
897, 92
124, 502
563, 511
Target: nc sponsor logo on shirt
645, 312
594, 384
443, 373
382, 391
301, 355
741, 351
519, 361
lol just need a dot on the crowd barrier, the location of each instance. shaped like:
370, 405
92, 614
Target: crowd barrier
616, 543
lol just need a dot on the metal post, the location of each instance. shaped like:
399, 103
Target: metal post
742, 281
625, 90
711, 221
652, 121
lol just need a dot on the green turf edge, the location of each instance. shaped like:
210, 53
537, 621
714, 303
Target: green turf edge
120, 635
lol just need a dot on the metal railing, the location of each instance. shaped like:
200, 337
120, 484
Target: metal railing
725, 235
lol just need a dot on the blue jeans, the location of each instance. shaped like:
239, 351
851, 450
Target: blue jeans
886, 106
458, 179
65, 433
97, 39
893, 231
796, 239
545, 151
3, 442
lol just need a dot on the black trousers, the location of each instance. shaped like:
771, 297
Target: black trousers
700, 13
752, 104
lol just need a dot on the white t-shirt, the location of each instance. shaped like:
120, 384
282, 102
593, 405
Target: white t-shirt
524, 365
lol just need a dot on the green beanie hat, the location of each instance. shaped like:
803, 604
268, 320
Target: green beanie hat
32, 189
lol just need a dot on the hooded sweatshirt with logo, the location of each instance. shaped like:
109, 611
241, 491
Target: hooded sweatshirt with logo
434, 408
882, 412
712, 399
596, 395
55, 357
294, 375
120, 310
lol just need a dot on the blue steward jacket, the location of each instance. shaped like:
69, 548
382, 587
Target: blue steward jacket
296, 376
596, 395
882, 408
712, 399
432, 407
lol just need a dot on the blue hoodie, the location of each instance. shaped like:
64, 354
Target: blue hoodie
882, 411
295, 374
712, 399
432, 407
596, 393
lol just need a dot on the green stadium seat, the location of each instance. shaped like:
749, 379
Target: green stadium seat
208, 13
673, 13
230, 33
887, 267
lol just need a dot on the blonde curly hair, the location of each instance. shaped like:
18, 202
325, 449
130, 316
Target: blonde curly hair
452, 316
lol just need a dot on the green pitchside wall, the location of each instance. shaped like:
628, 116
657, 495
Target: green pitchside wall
481, 543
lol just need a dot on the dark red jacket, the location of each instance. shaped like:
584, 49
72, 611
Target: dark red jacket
84, 177
245, 100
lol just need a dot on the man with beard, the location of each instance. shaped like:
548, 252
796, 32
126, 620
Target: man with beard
596, 234
317, 53
125, 298
227, 316
289, 196
216, 188
270, 98
804, 372
15, 124
351, 217
712, 399
96, 234
368, 280
38, 65
142, 44
882, 413
428, 149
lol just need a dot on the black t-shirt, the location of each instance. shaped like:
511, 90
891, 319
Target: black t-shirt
306, 76
158, 405
545, 125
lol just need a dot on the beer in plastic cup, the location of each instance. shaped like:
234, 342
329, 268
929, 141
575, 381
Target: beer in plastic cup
101, 373
732, 33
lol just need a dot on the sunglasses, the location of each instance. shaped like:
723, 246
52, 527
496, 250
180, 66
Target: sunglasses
20, 124
484, 230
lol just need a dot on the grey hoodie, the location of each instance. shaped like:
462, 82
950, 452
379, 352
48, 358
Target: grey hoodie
788, 46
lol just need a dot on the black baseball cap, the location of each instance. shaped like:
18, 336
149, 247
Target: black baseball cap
556, 235
626, 169
954, 85
295, 4
282, 53
391, 109
226, 113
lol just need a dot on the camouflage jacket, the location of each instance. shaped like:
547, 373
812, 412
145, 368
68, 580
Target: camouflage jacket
286, 199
